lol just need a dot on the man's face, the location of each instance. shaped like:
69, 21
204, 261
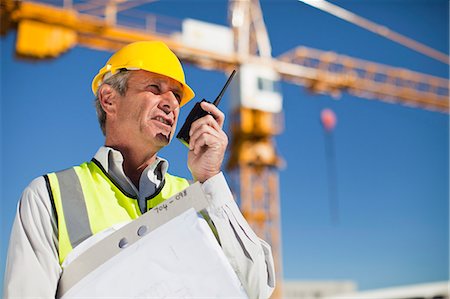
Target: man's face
148, 113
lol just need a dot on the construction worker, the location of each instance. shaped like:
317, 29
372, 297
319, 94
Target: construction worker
139, 93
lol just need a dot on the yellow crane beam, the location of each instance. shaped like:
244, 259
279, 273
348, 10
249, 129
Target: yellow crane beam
47, 31
328, 72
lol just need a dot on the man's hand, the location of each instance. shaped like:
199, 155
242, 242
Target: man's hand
207, 144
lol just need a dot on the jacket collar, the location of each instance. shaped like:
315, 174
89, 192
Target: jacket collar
151, 178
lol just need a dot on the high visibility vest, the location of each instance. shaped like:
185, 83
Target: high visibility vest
88, 201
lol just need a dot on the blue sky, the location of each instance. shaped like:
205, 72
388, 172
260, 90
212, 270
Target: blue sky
392, 161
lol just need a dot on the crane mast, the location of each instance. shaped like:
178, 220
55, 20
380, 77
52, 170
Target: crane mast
45, 31
253, 163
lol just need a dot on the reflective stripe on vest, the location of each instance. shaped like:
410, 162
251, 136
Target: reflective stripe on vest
74, 207
88, 201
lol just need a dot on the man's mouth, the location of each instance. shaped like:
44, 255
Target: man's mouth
164, 121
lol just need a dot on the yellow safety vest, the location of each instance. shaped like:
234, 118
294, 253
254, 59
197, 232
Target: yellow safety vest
88, 201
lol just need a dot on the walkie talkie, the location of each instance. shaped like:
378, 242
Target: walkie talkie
197, 112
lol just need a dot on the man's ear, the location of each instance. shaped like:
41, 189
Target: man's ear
108, 97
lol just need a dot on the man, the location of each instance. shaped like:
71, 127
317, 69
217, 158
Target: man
138, 96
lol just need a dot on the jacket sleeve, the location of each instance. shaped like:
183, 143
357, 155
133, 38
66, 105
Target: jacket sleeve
250, 256
32, 267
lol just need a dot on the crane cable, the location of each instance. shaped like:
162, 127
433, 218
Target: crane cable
329, 120
378, 29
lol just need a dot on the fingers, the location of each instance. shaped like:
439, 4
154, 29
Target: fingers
207, 120
206, 135
207, 144
207, 131
218, 115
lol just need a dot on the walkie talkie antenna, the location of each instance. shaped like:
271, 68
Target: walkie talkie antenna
219, 97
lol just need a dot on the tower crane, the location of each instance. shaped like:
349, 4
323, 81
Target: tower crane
45, 31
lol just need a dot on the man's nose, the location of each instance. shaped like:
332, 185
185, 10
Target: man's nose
169, 102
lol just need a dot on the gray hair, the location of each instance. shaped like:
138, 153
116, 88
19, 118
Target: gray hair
118, 82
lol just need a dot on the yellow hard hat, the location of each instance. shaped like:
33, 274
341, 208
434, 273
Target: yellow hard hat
152, 56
